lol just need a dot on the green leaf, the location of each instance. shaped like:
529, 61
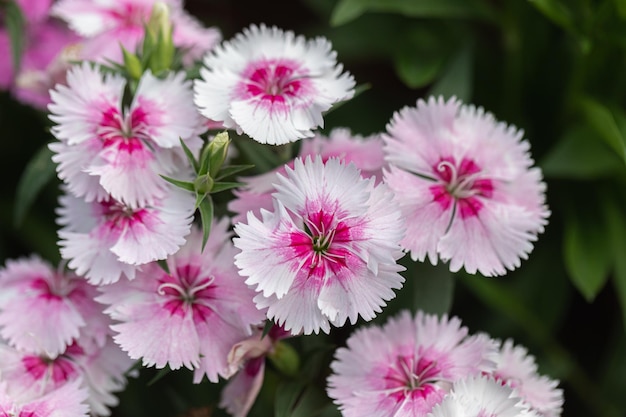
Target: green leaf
190, 156
587, 252
162, 372
312, 402
206, 217
229, 170
260, 155
287, 395
267, 327
607, 122
358, 90
185, 185
456, 76
285, 358
581, 154
557, 12
163, 264
14, 21
38, 172
222, 186
433, 289
348, 10
617, 236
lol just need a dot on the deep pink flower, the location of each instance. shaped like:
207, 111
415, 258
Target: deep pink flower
466, 185
327, 253
43, 310
191, 316
106, 150
405, 367
272, 85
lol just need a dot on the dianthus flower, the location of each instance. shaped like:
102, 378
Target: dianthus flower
105, 150
466, 186
107, 24
327, 253
43, 310
366, 153
517, 369
67, 401
405, 367
272, 85
481, 396
190, 316
107, 239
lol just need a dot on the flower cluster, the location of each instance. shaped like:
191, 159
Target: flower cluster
315, 241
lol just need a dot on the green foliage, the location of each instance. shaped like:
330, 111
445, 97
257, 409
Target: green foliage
37, 173
14, 21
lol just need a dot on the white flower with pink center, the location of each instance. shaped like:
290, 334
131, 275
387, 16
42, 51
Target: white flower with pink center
517, 369
481, 396
106, 240
466, 186
67, 401
272, 85
327, 253
43, 310
189, 317
108, 23
107, 150
405, 367
366, 153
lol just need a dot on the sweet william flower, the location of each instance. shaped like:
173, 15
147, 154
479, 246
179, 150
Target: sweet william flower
466, 186
405, 367
67, 401
328, 251
270, 84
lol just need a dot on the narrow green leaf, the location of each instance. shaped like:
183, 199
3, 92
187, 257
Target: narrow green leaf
287, 395
163, 264
38, 172
199, 199
581, 154
456, 76
311, 403
348, 10
206, 217
159, 375
222, 186
606, 123
229, 170
14, 21
267, 327
185, 185
433, 289
260, 155
131, 64
190, 156
358, 90
617, 235
587, 253
557, 12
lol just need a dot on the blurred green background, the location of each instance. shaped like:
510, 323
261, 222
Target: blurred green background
556, 69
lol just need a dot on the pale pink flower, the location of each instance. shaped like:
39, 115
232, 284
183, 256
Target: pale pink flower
366, 153
405, 367
34, 11
108, 23
517, 369
466, 185
272, 85
43, 310
481, 396
106, 150
106, 240
67, 401
189, 317
327, 253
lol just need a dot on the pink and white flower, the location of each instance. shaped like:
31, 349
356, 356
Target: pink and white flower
67, 401
466, 185
189, 317
481, 396
108, 23
106, 150
327, 253
43, 310
366, 153
517, 369
405, 367
271, 84
106, 240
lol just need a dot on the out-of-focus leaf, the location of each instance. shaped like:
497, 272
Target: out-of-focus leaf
287, 395
260, 155
456, 76
190, 157
231, 170
557, 12
608, 123
222, 186
587, 253
347, 10
14, 21
580, 154
617, 236
162, 372
38, 172
206, 216
311, 403
620, 5
433, 288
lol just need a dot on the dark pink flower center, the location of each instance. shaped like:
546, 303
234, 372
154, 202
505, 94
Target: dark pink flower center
60, 369
188, 288
461, 183
322, 247
119, 216
411, 377
56, 287
274, 80
125, 132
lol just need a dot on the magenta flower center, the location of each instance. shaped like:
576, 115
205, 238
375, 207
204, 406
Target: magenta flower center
460, 186
411, 377
120, 216
55, 288
59, 369
187, 289
125, 131
274, 80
